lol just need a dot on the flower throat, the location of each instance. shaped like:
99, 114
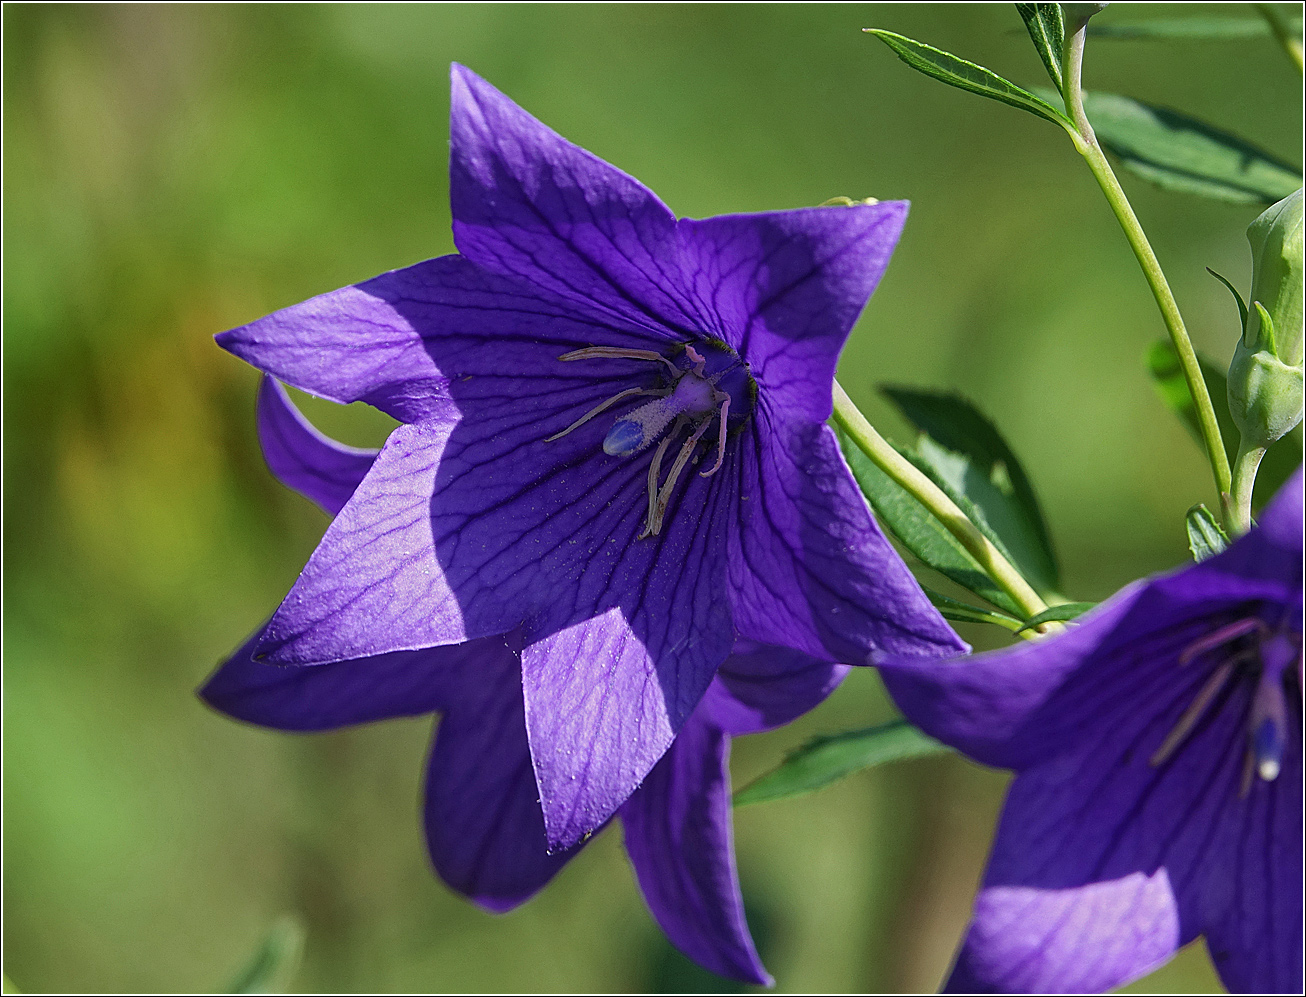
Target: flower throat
1266, 656
688, 404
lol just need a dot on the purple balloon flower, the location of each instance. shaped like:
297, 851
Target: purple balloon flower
612, 530
1158, 794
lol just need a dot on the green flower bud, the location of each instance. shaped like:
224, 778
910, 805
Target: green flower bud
1276, 240
1265, 378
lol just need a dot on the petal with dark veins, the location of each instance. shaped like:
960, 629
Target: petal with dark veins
484, 826
528, 203
762, 686
465, 529
1251, 906
344, 693
323, 471
681, 842
1098, 854
809, 567
607, 691
784, 288
408, 340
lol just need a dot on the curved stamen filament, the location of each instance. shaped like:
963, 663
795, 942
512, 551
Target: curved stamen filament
1221, 636
721, 440
1188, 719
616, 353
604, 406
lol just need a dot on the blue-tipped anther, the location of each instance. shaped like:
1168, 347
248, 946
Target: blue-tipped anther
1269, 714
623, 439
1267, 747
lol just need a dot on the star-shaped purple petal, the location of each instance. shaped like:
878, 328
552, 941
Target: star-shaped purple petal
612, 483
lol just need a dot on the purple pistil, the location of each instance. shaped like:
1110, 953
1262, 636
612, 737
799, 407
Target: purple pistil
691, 402
1271, 654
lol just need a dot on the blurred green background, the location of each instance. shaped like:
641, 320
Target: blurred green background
170, 172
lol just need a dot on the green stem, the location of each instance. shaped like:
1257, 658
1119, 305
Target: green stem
942, 508
1283, 31
1086, 145
1245, 467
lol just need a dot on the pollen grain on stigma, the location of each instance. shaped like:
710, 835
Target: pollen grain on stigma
689, 401
1249, 649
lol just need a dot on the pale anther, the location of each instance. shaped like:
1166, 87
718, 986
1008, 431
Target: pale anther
654, 468
721, 440
604, 406
616, 353
664, 494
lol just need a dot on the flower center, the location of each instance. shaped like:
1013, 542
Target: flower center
697, 393
1251, 650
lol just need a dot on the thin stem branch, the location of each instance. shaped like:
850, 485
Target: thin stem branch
1245, 467
942, 508
1087, 146
1283, 31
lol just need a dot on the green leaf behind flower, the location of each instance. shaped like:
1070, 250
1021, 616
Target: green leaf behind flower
1058, 614
1047, 30
963, 612
1181, 153
1281, 459
1205, 537
957, 72
1186, 29
968, 458
827, 759
1168, 379
917, 530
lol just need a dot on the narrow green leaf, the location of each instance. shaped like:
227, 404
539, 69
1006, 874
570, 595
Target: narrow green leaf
1058, 614
956, 72
1284, 455
1047, 30
918, 531
964, 612
1205, 537
1242, 305
1180, 153
1184, 29
275, 962
1168, 378
946, 469
970, 458
824, 760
